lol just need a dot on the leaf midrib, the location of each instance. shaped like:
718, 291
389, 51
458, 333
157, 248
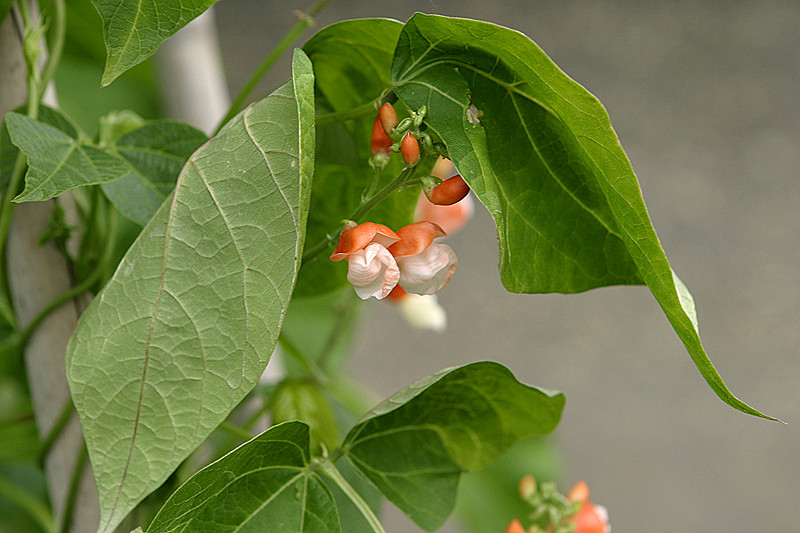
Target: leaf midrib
512, 90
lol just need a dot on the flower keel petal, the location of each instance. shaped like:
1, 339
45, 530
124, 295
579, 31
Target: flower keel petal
372, 271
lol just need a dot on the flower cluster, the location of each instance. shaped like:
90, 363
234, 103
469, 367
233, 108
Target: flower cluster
379, 259
554, 513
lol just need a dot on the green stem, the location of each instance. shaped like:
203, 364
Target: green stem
330, 470
6, 204
350, 114
309, 364
56, 45
92, 227
6, 210
29, 503
75, 291
345, 317
305, 21
401, 181
235, 430
74, 486
23, 11
55, 431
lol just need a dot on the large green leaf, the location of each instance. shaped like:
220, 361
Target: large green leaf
185, 327
546, 163
156, 153
134, 29
57, 161
265, 485
352, 61
459, 419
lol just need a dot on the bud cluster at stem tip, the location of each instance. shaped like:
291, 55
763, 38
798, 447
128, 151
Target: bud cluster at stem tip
553, 512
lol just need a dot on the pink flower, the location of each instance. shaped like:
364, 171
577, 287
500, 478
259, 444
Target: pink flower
590, 518
425, 267
371, 269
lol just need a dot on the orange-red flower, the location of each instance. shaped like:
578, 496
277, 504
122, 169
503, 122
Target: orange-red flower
590, 518
378, 258
371, 268
425, 267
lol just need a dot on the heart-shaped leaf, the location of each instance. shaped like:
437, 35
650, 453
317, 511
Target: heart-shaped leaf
265, 485
459, 419
540, 153
57, 161
134, 29
185, 327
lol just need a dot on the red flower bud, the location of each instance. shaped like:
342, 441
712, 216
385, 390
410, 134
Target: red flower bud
409, 148
380, 141
515, 527
449, 191
388, 117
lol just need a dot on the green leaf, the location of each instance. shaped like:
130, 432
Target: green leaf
156, 153
185, 327
8, 152
265, 485
304, 401
459, 419
495, 487
352, 61
134, 29
546, 163
58, 162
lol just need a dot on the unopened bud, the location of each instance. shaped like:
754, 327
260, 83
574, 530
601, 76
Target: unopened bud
409, 148
527, 487
380, 141
388, 117
515, 527
448, 192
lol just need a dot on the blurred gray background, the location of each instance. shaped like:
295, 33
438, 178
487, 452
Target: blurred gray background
704, 96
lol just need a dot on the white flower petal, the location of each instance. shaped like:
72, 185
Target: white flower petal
423, 311
429, 271
372, 271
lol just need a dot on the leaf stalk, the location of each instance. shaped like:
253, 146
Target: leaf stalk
332, 473
305, 20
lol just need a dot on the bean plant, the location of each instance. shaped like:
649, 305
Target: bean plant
270, 232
